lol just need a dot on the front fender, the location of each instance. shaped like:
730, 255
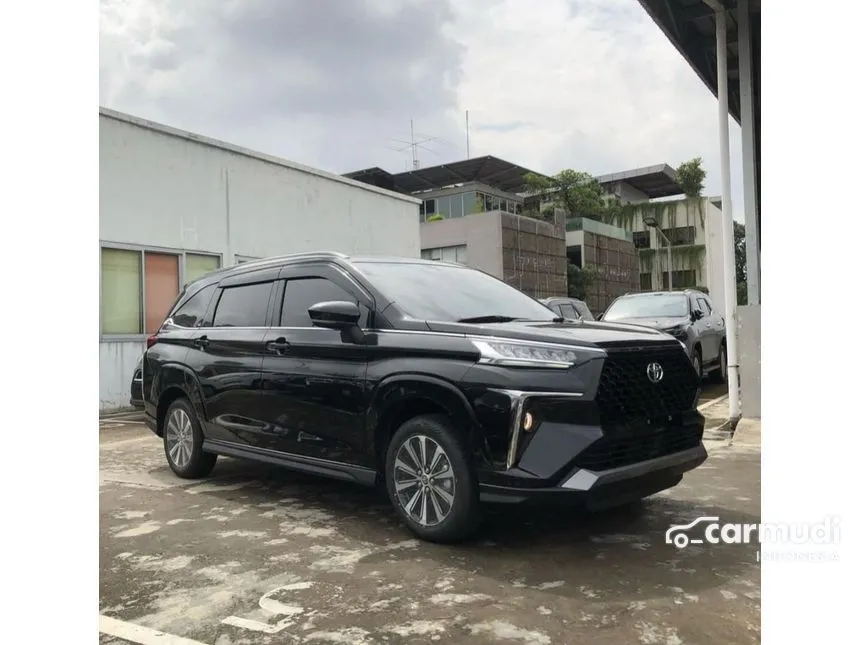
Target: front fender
399, 394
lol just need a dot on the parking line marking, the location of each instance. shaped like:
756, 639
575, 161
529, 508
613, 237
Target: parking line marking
139, 634
108, 445
708, 404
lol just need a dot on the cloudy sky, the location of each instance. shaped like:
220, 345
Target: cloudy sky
591, 85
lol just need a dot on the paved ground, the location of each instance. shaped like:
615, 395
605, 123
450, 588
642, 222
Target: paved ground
260, 555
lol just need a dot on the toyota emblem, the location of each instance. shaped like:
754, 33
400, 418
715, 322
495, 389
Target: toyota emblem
654, 372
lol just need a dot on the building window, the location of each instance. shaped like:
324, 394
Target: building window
455, 206
642, 239
645, 281
680, 279
680, 235
138, 287
197, 265
446, 254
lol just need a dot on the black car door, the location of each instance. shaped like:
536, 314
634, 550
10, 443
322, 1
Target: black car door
313, 383
227, 353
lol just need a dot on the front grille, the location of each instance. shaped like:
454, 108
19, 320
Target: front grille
615, 452
625, 393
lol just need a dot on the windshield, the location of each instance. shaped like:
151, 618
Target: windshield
660, 305
447, 293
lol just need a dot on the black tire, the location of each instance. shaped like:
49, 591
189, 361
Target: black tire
721, 374
198, 463
697, 362
464, 514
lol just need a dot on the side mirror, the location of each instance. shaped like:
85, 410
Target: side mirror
338, 314
697, 315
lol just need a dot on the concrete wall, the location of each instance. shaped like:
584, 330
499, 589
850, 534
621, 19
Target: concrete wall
481, 233
162, 188
526, 253
534, 255
749, 360
712, 237
617, 269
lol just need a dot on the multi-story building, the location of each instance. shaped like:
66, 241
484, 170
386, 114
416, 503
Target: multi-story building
493, 194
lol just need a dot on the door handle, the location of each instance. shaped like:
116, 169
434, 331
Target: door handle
202, 342
278, 346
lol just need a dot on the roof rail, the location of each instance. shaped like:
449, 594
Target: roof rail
290, 256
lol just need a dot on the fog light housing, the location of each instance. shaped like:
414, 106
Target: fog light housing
528, 421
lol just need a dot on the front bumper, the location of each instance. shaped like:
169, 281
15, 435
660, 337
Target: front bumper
606, 488
576, 454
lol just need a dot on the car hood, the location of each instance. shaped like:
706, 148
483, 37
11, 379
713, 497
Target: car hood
657, 322
588, 333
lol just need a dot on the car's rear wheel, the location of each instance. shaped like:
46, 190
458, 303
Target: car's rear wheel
430, 480
183, 442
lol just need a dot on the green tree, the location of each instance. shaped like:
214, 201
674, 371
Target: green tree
691, 177
577, 193
579, 280
741, 262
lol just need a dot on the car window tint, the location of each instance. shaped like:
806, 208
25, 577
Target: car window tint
243, 306
302, 293
567, 310
191, 313
704, 306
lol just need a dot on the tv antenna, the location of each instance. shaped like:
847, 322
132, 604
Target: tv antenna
415, 144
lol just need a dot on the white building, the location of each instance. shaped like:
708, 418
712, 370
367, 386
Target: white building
175, 205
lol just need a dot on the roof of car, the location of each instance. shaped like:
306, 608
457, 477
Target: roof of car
660, 293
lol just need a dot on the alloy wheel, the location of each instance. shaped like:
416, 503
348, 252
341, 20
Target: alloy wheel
180, 438
424, 480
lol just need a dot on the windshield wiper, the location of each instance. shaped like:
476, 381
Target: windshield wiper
493, 318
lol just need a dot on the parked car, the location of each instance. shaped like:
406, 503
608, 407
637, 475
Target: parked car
687, 315
136, 399
571, 308
439, 381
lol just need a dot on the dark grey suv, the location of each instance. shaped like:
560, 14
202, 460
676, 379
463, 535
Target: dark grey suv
687, 315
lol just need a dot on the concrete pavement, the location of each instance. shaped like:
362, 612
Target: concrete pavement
260, 555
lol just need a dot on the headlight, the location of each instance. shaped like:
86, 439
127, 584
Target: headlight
524, 354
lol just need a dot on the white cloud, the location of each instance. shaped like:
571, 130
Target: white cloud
587, 84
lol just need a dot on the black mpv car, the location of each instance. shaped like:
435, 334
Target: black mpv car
445, 384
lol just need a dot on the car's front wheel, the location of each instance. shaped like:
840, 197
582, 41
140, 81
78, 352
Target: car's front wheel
721, 375
183, 442
430, 480
697, 362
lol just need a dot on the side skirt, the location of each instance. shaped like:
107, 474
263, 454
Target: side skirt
311, 465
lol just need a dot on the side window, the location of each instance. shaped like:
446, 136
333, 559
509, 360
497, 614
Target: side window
243, 306
567, 310
191, 313
703, 305
302, 293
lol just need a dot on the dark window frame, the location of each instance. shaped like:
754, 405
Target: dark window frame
212, 318
212, 289
284, 292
